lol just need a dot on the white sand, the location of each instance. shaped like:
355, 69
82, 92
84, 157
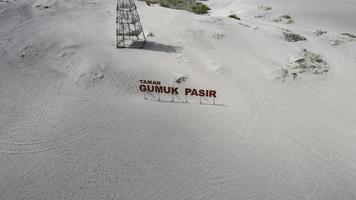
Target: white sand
73, 124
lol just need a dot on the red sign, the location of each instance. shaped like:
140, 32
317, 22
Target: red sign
156, 87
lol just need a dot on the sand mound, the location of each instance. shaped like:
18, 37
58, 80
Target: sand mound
304, 62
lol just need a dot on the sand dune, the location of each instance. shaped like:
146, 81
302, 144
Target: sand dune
74, 125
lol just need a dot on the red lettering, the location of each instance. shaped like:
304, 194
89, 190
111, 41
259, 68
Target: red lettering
158, 89
212, 93
187, 91
167, 90
150, 88
143, 88
194, 92
175, 91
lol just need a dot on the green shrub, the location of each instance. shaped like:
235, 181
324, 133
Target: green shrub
189, 5
164, 4
175, 4
150, 2
200, 8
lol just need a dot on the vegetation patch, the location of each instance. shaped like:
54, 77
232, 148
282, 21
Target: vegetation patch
304, 62
200, 8
320, 32
336, 42
349, 35
263, 7
307, 61
343, 38
293, 37
287, 19
189, 5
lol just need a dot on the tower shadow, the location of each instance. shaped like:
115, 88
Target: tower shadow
154, 46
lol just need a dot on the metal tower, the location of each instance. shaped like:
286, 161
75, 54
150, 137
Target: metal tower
129, 31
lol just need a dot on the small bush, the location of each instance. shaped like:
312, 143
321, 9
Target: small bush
286, 17
200, 8
175, 4
293, 37
234, 16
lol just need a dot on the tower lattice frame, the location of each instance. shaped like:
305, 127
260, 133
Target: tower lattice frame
129, 31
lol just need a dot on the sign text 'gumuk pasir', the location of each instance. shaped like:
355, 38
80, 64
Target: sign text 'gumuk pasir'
156, 87
154, 90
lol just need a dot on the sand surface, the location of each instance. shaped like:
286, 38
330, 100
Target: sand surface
73, 124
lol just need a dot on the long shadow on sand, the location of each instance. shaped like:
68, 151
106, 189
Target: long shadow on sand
154, 46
